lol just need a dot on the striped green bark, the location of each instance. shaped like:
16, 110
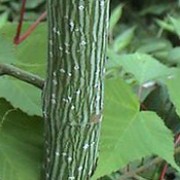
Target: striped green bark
73, 92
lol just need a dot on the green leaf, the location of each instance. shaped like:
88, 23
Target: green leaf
21, 95
165, 25
7, 50
156, 9
115, 16
173, 86
3, 19
31, 56
170, 24
20, 144
123, 40
128, 134
113, 59
152, 45
34, 4
176, 24
31, 53
144, 67
174, 55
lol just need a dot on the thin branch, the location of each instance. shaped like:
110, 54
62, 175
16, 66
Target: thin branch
6, 69
143, 168
16, 39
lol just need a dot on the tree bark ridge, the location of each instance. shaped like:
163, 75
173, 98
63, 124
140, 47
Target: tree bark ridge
73, 92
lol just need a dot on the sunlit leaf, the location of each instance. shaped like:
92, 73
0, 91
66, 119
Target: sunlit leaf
128, 134
144, 67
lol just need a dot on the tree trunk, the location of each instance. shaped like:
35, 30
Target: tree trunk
73, 92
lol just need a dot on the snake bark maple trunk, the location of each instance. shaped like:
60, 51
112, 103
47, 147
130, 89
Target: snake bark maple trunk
73, 92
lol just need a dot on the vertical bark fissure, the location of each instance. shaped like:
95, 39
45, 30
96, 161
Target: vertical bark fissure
73, 92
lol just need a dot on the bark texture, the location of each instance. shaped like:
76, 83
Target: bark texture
73, 91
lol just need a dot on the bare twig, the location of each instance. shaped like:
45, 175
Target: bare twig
6, 69
143, 168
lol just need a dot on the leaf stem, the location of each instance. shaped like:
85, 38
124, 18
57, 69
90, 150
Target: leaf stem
30, 29
6, 69
16, 39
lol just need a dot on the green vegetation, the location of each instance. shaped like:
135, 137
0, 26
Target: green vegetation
142, 93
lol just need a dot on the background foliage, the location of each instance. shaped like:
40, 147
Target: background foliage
142, 106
